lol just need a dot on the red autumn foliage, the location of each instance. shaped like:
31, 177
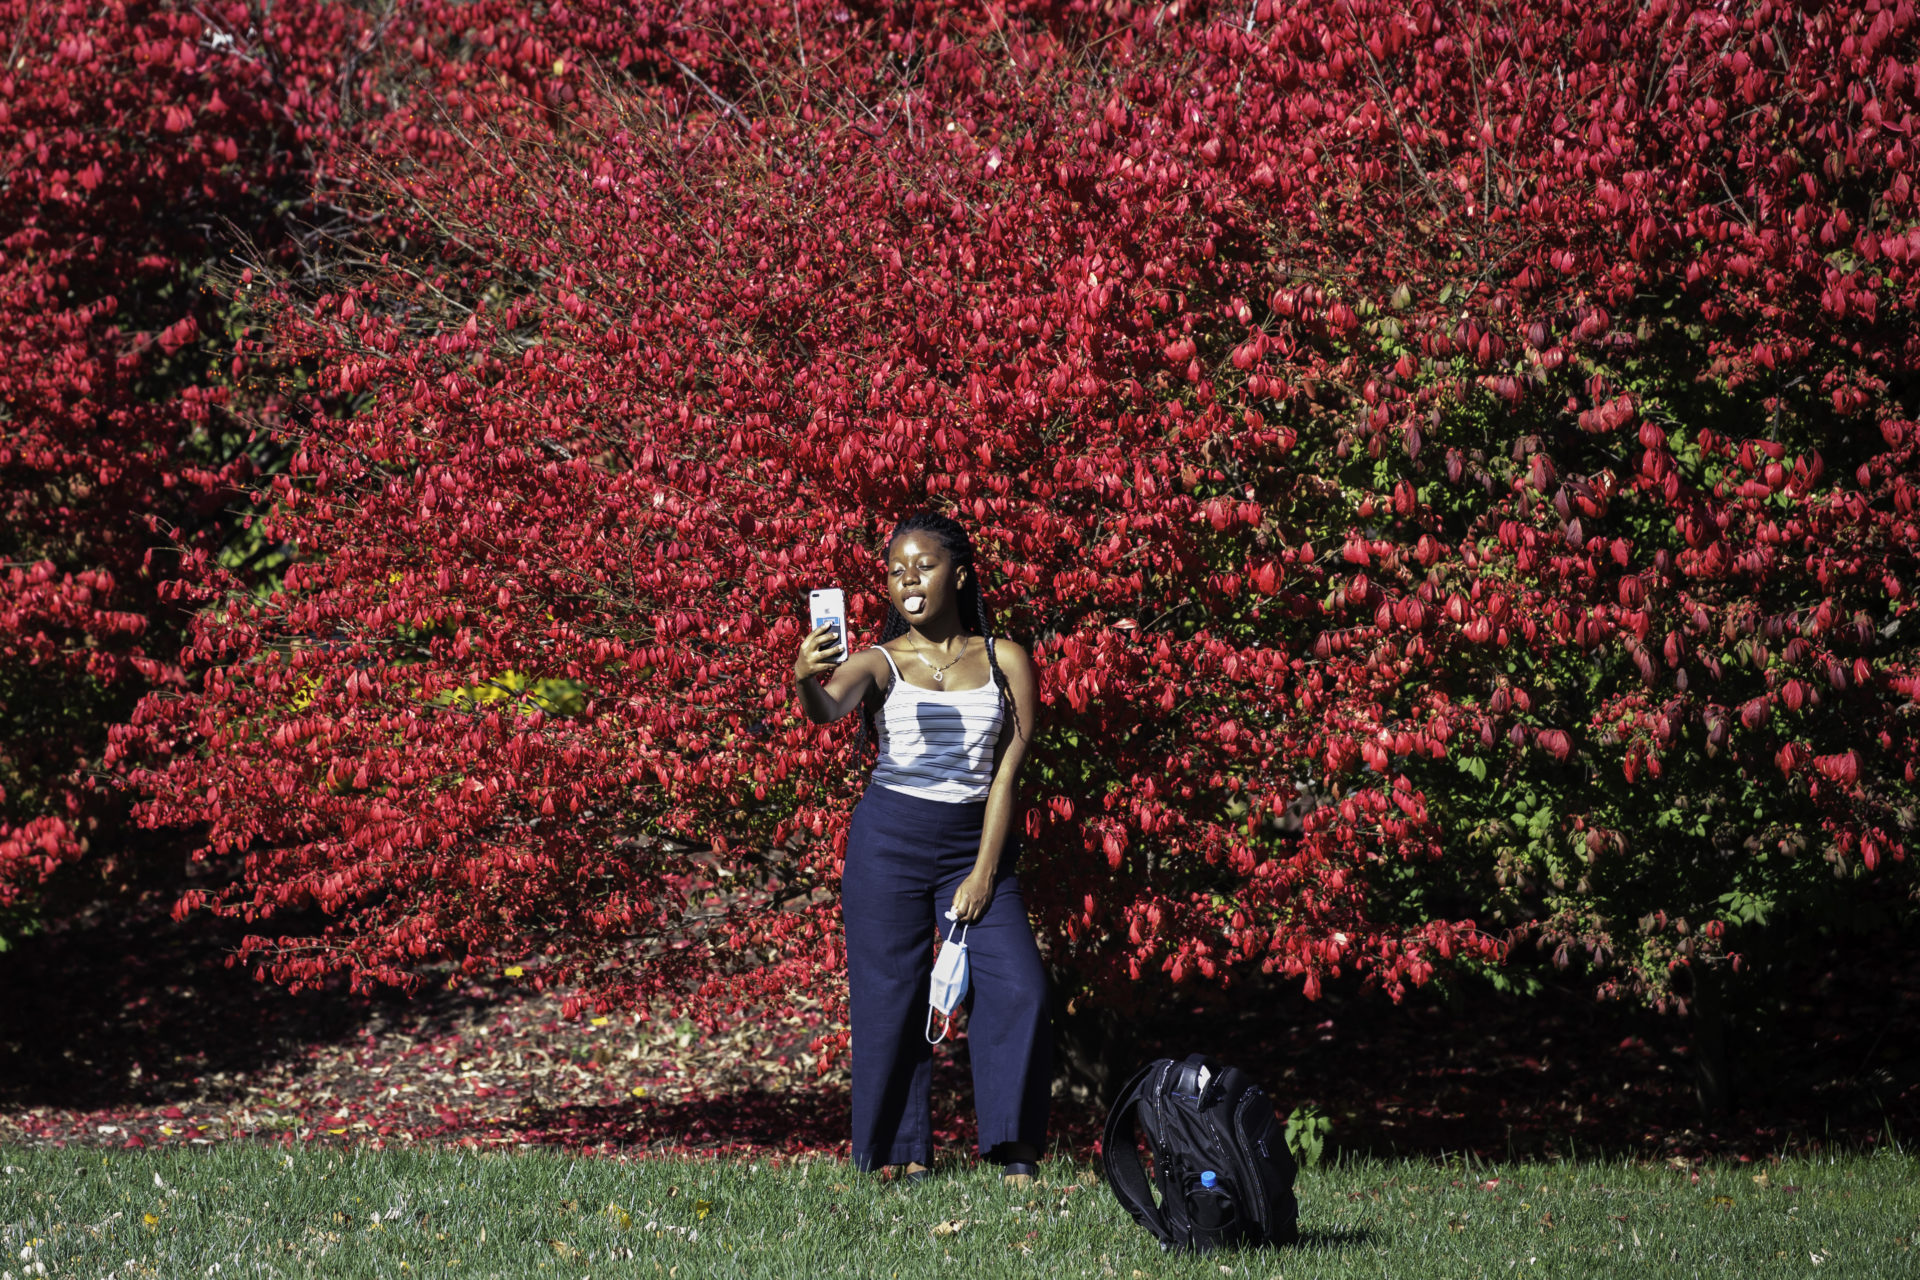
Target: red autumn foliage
1458, 412
140, 140
128, 132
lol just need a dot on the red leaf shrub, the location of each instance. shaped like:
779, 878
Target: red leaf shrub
128, 133
142, 141
1426, 410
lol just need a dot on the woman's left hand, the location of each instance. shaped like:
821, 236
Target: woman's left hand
972, 898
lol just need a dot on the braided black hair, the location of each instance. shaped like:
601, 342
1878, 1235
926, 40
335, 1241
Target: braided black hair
952, 535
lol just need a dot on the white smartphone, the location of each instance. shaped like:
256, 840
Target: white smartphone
829, 606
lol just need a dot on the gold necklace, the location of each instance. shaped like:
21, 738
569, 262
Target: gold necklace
939, 673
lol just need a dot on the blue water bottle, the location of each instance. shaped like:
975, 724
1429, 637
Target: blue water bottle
1210, 1211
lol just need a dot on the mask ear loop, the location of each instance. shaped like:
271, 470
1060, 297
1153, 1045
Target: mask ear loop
947, 1024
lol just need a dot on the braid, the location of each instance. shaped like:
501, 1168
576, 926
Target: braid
999, 676
973, 606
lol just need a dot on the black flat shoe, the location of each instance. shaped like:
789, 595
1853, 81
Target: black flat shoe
1018, 1169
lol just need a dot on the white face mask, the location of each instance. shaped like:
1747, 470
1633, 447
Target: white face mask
949, 984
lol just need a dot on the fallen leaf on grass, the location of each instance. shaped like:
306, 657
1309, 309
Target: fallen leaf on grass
619, 1217
1723, 1202
951, 1227
701, 1208
563, 1249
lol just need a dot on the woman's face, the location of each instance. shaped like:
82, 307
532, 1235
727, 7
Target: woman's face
922, 580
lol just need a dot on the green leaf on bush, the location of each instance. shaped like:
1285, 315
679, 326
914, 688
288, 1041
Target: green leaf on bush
1307, 1131
555, 697
1742, 907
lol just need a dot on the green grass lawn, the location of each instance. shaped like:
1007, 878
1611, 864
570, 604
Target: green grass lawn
243, 1210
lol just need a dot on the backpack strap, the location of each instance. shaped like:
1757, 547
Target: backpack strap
1125, 1174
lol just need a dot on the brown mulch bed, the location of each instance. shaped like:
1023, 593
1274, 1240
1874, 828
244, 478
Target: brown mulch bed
125, 1029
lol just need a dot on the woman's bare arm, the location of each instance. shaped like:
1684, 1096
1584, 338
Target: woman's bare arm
970, 901
859, 678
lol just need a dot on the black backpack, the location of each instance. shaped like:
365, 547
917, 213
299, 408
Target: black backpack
1198, 1118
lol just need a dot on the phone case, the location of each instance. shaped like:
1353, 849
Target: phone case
829, 606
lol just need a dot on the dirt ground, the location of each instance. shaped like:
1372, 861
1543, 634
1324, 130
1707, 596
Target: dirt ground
126, 1029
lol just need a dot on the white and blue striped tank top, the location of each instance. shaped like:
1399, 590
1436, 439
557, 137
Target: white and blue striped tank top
937, 744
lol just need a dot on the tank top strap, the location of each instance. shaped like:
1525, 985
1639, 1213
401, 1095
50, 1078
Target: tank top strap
890, 662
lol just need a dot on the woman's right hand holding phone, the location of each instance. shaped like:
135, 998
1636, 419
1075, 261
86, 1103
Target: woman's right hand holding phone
819, 653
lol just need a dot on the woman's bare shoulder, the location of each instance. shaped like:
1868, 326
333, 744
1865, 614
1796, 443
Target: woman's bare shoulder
1011, 652
871, 662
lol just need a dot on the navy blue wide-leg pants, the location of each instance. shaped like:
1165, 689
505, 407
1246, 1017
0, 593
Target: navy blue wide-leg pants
905, 858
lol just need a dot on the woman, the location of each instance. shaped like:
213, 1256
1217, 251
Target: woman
952, 710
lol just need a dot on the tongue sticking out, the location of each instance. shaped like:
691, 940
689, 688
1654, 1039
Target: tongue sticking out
914, 604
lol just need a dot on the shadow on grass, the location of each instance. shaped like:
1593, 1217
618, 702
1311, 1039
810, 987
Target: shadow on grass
739, 1120
1335, 1240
